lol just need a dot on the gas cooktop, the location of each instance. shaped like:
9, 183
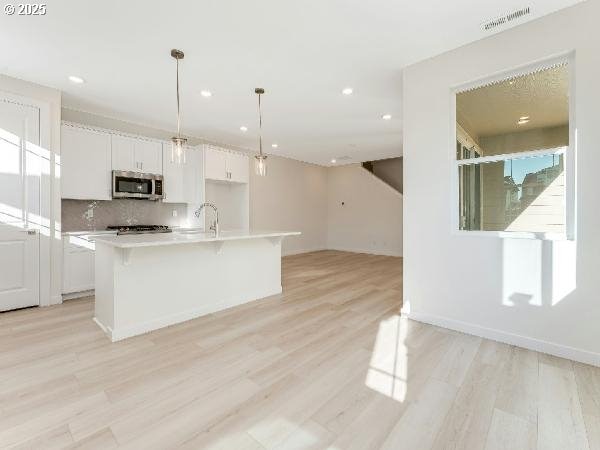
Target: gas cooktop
139, 229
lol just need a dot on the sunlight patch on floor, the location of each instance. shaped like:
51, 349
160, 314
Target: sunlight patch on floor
388, 368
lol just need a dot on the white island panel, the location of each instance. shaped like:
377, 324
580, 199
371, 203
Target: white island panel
144, 284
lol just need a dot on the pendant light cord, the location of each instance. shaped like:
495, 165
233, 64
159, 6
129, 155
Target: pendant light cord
259, 127
178, 118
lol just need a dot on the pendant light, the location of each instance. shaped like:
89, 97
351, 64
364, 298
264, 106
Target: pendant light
178, 143
260, 160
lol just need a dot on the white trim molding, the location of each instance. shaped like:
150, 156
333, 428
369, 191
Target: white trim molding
50, 247
367, 251
530, 343
569, 152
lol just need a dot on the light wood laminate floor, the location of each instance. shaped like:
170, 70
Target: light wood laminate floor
327, 364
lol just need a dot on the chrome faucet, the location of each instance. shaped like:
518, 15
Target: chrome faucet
215, 225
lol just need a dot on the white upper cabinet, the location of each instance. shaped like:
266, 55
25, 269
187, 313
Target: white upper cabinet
173, 188
85, 163
223, 165
149, 155
183, 183
215, 164
136, 155
237, 166
193, 178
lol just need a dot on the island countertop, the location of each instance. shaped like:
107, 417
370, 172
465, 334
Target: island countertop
186, 237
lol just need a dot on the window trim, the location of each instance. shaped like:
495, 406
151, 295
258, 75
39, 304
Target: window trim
512, 156
568, 151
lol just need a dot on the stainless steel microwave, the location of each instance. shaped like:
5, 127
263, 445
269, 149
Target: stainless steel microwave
148, 186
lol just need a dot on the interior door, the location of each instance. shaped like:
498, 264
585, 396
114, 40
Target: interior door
20, 221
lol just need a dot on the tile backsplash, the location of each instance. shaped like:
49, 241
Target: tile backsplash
83, 215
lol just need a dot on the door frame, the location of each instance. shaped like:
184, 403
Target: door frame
48, 173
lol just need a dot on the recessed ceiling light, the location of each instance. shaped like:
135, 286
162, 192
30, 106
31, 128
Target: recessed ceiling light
523, 120
386, 116
75, 79
333, 161
347, 91
243, 128
206, 93
274, 145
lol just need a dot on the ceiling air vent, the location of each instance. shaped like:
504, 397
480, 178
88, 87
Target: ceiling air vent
505, 19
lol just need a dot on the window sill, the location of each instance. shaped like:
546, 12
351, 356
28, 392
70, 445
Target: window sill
540, 236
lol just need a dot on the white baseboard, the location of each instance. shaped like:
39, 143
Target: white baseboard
344, 249
301, 251
118, 334
56, 299
367, 251
74, 295
551, 348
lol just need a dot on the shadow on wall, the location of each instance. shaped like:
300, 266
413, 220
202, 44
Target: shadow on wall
388, 170
538, 272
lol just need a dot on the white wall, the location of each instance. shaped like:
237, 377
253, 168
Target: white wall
293, 196
364, 213
50, 243
539, 294
233, 204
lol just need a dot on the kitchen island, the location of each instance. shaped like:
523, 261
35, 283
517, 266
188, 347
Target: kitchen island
150, 281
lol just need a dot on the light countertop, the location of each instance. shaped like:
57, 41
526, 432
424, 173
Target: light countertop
88, 232
183, 237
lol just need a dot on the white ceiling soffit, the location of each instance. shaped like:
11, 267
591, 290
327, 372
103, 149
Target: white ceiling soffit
303, 53
542, 97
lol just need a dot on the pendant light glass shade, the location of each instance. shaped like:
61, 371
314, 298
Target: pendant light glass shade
260, 165
178, 150
177, 142
260, 160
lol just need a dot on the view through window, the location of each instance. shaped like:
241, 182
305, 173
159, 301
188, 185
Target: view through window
512, 137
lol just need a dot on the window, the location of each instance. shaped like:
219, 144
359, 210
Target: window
512, 148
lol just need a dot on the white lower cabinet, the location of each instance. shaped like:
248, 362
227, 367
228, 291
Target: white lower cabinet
78, 263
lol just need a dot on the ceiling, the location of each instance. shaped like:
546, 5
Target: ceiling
495, 109
303, 53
